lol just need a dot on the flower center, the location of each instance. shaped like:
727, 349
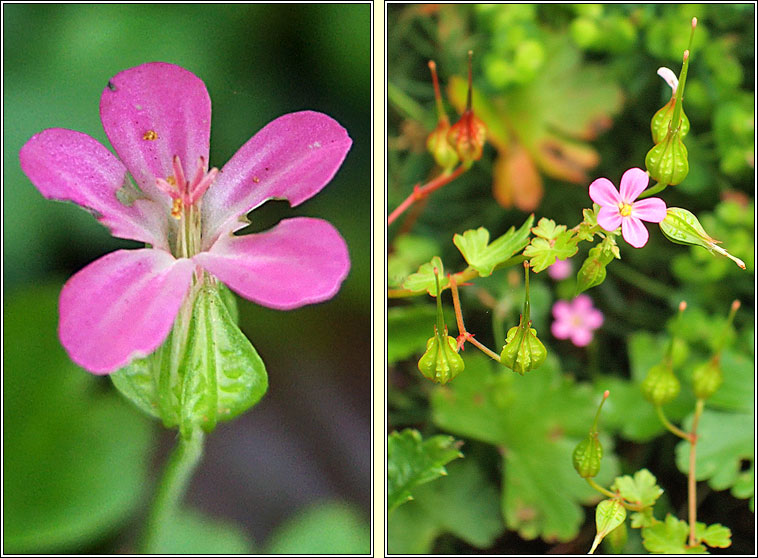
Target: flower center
186, 195
625, 209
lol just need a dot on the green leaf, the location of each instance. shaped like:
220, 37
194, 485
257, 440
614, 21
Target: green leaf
412, 461
641, 489
409, 252
484, 257
724, 441
542, 494
423, 279
408, 328
75, 455
715, 535
552, 241
327, 528
592, 272
609, 514
464, 505
669, 537
206, 371
191, 532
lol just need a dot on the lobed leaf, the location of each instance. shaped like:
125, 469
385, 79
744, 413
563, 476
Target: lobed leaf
412, 460
484, 256
424, 279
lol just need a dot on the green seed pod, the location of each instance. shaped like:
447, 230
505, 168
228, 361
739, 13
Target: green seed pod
441, 361
659, 125
523, 351
707, 378
587, 456
444, 154
660, 385
667, 161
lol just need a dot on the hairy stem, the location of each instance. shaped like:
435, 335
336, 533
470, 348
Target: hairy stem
420, 192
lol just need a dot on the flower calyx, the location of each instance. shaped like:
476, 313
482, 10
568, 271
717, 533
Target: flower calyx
468, 135
523, 351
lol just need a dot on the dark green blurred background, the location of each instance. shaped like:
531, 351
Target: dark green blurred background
309, 439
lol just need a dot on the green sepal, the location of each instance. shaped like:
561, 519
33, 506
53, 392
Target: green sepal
587, 456
523, 351
444, 154
206, 371
441, 361
660, 386
609, 515
667, 161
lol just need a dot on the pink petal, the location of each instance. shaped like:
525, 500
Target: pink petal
651, 209
300, 261
72, 166
581, 337
582, 303
292, 158
609, 218
604, 193
562, 310
593, 319
166, 100
633, 182
634, 232
121, 306
561, 329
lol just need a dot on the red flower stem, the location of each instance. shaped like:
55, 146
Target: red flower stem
691, 481
420, 192
462, 328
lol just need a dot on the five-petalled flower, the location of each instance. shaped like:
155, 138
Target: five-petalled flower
576, 320
157, 117
621, 209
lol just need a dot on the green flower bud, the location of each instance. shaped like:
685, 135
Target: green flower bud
660, 385
441, 361
667, 161
523, 351
707, 378
587, 456
661, 121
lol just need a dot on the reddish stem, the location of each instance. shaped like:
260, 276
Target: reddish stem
420, 192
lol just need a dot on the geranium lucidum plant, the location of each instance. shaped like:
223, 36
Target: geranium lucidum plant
158, 318
157, 117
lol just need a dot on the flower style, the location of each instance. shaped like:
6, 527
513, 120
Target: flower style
620, 209
576, 320
157, 117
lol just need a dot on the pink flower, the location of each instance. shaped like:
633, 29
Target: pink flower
576, 320
621, 209
157, 116
561, 269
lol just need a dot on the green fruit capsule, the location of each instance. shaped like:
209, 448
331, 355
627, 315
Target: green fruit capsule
707, 379
660, 385
667, 161
441, 361
659, 125
587, 456
523, 351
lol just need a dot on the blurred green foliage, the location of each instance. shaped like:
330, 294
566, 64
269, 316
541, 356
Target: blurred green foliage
539, 72
258, 62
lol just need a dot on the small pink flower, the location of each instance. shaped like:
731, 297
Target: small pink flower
576, 320
561, 269
621, 209
157, 116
